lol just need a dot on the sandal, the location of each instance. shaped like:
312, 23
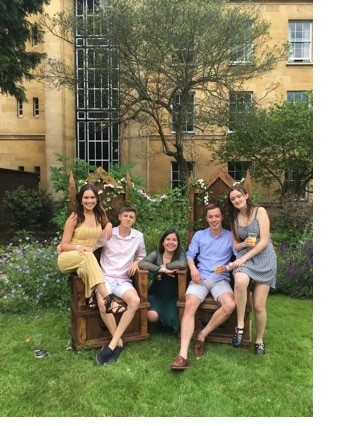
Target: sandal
120, 307
91, 302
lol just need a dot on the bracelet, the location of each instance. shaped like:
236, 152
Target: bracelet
77, 247
243, 244
227, 268
163, 269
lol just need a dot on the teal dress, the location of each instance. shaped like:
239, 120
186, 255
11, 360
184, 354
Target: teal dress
163, 290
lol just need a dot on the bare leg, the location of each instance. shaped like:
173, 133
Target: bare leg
133, 301
227, 302
188, 323
152, 316
241, 284
108, 319
260, 294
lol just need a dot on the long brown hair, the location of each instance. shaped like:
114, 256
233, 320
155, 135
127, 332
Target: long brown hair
233, 211
97, 210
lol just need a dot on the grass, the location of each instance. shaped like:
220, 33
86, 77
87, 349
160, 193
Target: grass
225, 382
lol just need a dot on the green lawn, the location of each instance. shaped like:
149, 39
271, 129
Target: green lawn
225, 382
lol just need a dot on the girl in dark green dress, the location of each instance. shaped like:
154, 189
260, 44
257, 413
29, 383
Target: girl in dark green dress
163, 264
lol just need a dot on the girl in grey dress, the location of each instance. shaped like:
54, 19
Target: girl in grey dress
256, 260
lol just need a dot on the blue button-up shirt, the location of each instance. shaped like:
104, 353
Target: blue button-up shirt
210, 252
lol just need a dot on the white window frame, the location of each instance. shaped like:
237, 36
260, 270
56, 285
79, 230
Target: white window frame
189, 119
20, 109
35, 107
300, 40
238, 101
175, 175
34, 36
298, 95
244, 49
238, 169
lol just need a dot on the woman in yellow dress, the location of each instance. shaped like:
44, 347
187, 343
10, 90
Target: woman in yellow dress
81, 232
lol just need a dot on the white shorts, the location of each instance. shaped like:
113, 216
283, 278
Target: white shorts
208, 286
113, 286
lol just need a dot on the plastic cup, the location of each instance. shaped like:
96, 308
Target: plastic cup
216, 269
37, 339
252, 236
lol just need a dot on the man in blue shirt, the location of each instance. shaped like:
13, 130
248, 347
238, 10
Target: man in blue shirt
213, 249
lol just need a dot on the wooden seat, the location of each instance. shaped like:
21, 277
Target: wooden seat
224, 332
87, 327
219, 184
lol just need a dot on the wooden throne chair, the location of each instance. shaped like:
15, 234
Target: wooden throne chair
87, 327
218, 187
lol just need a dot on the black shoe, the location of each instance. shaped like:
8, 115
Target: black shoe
259, 349
237, 340
103, 356
115, 354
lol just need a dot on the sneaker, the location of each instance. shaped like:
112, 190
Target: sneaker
103, 356
179, 363
115, 354
259, 349
237, 340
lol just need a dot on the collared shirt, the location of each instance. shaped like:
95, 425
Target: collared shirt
119, 253
211, 251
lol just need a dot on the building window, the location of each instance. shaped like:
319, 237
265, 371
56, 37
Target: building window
36, 107
37, 169
19, 109
242, 50
238, 169
300, 36
295, 184
34, 36
97, 89
183, 113
239, 102
21, 168
176, 174
297, 97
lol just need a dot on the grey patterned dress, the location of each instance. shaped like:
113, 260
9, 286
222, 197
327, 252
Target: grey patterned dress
262, 268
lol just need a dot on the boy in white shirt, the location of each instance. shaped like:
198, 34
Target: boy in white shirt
119, 261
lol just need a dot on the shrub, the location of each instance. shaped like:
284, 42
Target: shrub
289, 216
295, 266
29, 277
31, 209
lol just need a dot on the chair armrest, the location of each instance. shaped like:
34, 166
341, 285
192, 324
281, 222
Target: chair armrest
182, 282
141, 283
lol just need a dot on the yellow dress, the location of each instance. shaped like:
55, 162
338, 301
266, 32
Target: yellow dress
85, 265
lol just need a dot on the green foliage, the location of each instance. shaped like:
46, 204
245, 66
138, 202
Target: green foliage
31, 209
60, 175
158, 213
155, 213
16, 63
29, 277
278, 141
180, 55
290, 217
295, 266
